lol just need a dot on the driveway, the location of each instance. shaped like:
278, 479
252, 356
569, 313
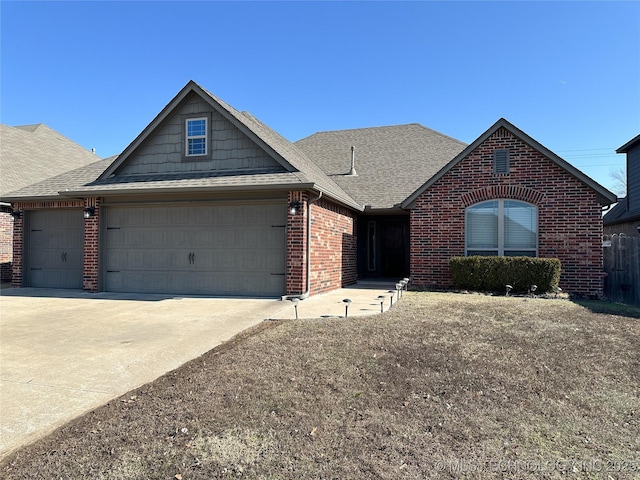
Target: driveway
63, 353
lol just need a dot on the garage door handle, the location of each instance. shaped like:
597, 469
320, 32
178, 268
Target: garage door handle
192, 258
64, 257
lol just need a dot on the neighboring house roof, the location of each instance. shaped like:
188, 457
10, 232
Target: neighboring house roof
620, 214
52, 188
391, 162
604, 196
629, 145
32, 153
301, 172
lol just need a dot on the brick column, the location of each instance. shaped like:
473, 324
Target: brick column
90, 271
18, 242
297, 245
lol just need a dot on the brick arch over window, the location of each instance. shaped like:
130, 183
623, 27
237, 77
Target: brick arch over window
512, 192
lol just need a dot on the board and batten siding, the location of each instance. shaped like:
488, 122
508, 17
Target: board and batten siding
228, 148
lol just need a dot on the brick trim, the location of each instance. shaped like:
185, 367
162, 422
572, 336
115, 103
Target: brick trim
512, 192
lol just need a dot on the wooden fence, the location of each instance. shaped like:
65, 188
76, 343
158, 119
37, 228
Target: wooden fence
622, 265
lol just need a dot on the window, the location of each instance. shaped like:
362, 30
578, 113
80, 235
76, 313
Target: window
196, 137
501, 161
502, 227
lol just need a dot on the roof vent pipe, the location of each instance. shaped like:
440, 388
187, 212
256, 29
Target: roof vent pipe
353, 162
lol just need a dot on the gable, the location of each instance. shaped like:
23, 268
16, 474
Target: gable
504, 135
228, 149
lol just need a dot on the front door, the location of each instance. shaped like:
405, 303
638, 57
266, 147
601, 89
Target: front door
393, 252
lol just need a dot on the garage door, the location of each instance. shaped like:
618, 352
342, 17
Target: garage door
222, 249
55, 241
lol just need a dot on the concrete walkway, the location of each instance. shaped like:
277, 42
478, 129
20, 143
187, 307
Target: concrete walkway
66, 352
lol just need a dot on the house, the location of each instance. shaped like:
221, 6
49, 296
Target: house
30, 154
625, 216
209, 200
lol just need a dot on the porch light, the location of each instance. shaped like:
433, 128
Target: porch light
16, 214
89, 212
294, 207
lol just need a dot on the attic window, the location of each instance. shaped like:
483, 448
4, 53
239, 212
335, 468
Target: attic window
196, 143
501, 161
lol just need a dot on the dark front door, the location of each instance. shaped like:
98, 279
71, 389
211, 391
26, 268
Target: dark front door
393, 249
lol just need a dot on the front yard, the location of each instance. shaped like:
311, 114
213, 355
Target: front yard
442, 386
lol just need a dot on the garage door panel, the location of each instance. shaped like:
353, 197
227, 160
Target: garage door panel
55, 240
228, 249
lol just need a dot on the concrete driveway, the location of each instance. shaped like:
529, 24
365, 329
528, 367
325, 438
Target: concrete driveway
63, 353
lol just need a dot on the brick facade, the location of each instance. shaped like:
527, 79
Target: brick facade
6, 243
569, 216
91, 255
333, 247
297, 245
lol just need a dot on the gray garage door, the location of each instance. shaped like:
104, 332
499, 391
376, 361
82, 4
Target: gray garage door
55, 241
221, 249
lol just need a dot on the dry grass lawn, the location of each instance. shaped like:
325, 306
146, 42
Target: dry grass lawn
442, 386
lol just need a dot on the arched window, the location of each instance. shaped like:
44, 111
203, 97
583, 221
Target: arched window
501, 227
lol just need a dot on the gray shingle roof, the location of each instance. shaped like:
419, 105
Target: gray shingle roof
391, 162
32, 153
63, 183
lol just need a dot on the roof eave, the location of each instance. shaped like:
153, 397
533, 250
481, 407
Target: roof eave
629, 145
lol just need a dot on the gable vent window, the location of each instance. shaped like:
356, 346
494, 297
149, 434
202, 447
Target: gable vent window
501, 161
196, 137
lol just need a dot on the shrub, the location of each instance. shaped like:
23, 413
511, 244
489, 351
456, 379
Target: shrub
493, 273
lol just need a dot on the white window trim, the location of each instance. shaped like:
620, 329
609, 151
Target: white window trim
500, 248
195, 137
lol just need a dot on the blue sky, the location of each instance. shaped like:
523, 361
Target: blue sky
567, 73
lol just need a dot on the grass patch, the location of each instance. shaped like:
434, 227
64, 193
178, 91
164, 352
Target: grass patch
441, 386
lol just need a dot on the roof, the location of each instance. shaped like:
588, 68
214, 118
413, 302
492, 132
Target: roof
302, 172
620, 214
32, 153
391, 161
629, 145
52, 188
604, 196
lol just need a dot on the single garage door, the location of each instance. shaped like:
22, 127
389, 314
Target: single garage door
219, 249
55, 245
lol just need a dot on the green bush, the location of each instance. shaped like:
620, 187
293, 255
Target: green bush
492, 274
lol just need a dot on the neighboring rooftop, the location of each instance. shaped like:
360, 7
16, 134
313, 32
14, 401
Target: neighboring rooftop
33, 153
391, 162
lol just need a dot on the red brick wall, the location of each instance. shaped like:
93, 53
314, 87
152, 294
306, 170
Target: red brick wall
569, 217
333, 247
6, 243
296, 283
91, 270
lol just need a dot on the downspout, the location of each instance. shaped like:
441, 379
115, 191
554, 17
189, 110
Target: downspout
306, 294
308, 287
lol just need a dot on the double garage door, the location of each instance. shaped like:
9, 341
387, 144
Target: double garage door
216, 249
